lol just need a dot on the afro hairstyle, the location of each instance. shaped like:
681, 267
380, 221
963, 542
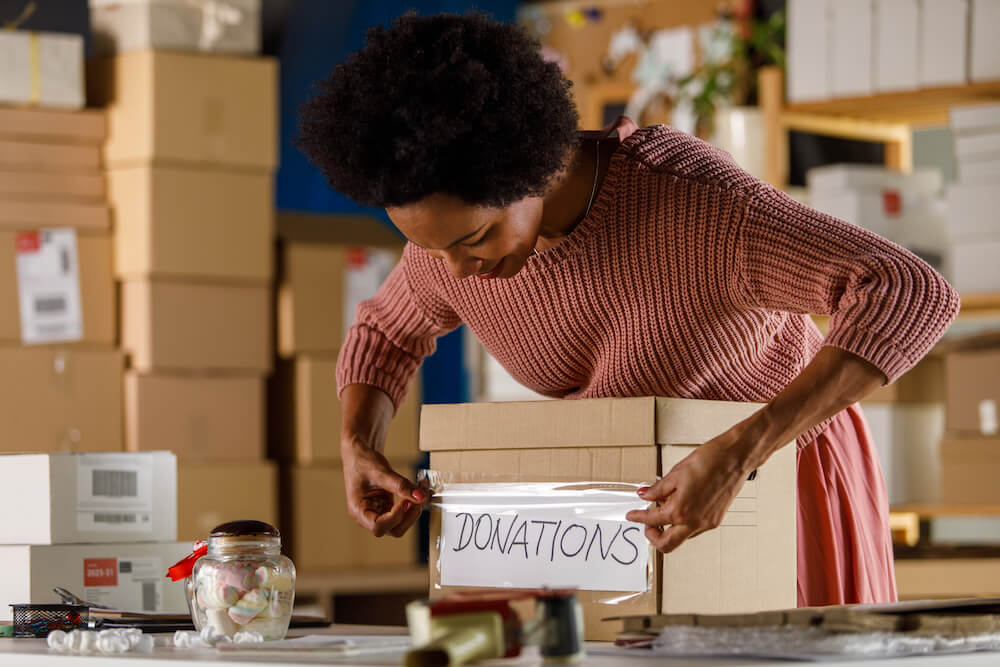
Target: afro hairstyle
452, 104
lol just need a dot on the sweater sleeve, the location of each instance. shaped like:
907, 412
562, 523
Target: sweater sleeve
885, 304
394, 331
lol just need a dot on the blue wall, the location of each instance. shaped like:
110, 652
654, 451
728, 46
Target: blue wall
317, 34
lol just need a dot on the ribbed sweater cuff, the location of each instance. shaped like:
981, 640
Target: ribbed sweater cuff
368, 357
871, 347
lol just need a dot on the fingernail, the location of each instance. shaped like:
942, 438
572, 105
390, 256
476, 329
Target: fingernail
419, 495
642, 490
406, 505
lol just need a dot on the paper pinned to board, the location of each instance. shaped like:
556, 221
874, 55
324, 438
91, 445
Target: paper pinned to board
525, 535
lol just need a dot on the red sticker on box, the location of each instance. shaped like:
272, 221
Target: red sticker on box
28, 242
892, 203
357, 257
100, 572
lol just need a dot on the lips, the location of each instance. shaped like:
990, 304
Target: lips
493, 273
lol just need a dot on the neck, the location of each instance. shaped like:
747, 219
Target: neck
566, 204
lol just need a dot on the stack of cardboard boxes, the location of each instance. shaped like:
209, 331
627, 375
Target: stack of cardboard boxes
60, 374
102, 526
327, 266
970, 451
190, 155
975, 199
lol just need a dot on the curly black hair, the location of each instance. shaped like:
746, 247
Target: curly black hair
460, 105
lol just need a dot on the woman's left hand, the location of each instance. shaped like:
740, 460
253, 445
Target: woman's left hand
696, 494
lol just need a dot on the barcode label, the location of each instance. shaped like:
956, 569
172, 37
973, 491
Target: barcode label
105, 517
149, 596
114, 493
50, 305
115, 483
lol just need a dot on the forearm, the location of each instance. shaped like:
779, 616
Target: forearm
365, 415
833, 380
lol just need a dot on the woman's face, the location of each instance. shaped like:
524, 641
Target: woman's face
472, 240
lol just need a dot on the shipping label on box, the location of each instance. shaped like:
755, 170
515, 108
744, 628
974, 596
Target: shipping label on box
48, 281
542, 535
114, 492
128, 583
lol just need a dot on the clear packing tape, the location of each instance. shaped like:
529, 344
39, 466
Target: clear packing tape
488, 531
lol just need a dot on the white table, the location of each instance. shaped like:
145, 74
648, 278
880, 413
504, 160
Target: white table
35, 653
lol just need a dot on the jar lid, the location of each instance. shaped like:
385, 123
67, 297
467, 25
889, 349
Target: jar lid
245, 528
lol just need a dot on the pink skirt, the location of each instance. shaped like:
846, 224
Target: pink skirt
844, 543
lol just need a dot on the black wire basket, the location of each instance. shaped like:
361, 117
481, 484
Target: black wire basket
38, 620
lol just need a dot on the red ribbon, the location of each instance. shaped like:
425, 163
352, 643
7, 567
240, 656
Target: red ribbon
182, 569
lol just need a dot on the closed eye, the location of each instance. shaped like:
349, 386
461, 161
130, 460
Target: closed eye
473, 244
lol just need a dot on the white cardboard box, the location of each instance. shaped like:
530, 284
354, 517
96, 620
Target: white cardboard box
977, 147
972, 211
973, 266
181, 25
977, 118
944, 42
984, 47
88, 498
41, 68
896, 45
852, 176
808, 51
984, 172
850, 48
907, 437
124, 576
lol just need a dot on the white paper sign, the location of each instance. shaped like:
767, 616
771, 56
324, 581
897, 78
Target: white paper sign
48, 282
559, 540
114, 492
367, 269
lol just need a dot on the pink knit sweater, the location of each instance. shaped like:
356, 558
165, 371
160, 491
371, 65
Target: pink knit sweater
689, 278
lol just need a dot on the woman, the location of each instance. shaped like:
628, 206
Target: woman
629, 262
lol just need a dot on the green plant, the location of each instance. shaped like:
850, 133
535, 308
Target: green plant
730, 60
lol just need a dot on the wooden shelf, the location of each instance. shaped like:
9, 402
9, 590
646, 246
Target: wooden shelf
918, 107
980, 301
931, 511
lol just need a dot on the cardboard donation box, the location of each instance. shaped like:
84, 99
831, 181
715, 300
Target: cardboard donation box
595, 450
970, 468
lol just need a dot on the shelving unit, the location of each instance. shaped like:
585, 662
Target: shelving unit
888, 118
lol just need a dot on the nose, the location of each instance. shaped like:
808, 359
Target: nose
460, 264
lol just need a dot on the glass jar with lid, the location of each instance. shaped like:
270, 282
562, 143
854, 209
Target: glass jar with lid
243, 582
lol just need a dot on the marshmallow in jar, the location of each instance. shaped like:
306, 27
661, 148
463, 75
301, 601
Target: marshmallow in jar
243, 583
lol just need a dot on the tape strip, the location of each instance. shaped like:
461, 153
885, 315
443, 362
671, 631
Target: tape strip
35, 66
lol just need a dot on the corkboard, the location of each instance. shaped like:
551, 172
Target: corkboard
597, 92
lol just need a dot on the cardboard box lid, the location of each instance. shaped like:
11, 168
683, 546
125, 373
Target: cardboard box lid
83, 127
599, 422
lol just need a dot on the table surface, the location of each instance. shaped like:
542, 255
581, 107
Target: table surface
35, 653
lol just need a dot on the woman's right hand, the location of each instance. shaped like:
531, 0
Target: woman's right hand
380, 500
